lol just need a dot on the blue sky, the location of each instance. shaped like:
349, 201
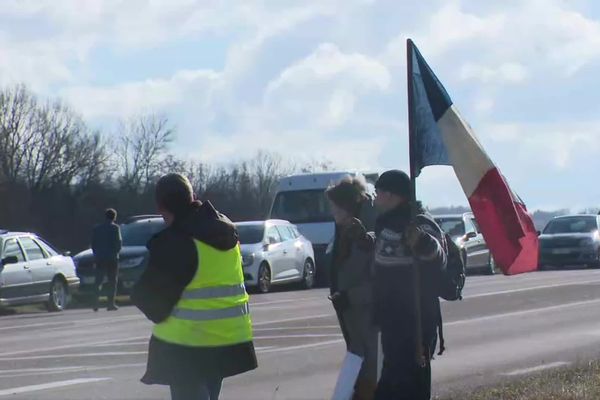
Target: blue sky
326, 79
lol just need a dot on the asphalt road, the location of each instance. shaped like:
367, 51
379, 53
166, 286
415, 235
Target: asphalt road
505, 327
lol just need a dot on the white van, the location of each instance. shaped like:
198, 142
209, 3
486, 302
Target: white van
301, 200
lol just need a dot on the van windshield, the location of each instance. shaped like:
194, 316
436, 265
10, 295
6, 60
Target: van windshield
302, 206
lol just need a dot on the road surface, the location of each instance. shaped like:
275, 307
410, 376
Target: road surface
505, 327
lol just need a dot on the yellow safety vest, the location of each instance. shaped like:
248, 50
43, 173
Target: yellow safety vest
213, 309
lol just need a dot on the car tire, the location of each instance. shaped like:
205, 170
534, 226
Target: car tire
308, 274
58, 298
264, 278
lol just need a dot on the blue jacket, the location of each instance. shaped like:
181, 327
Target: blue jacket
106, 241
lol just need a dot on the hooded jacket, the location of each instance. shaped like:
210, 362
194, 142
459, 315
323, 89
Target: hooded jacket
172, 265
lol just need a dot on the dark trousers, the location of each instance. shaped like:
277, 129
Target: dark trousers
401, 378
208, 390
110, 270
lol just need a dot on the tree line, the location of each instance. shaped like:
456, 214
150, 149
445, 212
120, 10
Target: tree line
57, 174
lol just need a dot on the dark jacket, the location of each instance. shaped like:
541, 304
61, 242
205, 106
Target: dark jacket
106, 241
172, 265
394, 268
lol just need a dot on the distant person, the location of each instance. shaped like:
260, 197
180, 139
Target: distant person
351, 279
193, 290
106, 245
404, 244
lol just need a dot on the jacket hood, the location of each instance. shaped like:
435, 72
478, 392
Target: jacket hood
204, 223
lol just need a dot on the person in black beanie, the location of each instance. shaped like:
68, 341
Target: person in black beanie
403, 244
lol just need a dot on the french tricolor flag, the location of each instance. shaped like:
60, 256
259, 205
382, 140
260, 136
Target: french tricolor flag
440, 136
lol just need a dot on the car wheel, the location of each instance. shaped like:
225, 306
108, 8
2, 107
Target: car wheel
59, 295
491, 269
308, 276
264, 278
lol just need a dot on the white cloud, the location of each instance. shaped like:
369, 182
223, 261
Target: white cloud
504, 73
324, 87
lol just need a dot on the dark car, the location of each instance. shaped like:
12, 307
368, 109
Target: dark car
465, 232
571, 240
133, 258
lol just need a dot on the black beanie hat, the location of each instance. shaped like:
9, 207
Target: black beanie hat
394, 181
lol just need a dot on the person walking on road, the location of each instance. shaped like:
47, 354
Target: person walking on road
405, 243
106, 245
193, 290
351, 280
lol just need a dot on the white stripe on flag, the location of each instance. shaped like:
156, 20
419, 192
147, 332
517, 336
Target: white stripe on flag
466, 154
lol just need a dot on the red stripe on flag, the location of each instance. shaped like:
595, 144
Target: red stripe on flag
506, 226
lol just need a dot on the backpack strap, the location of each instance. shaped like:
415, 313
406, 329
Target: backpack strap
441, 331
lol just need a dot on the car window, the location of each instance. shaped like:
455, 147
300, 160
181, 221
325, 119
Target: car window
454, 227
582, 224
304, 206
469, 227
251, 234
475, 224
12, 248
273, 235
32, 249
47, 248
286, 233
139, 233
296, 231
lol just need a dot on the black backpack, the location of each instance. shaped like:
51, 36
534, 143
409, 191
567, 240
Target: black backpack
453, 278
452, 283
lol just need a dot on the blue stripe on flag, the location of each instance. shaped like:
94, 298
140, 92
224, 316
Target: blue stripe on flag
430, 101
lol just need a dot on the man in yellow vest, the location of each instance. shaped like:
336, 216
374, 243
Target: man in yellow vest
193, 290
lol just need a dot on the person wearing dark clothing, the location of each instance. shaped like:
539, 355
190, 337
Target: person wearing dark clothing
186, 275
351, 280
405, 244
106, 245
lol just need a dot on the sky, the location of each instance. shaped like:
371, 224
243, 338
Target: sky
326, 79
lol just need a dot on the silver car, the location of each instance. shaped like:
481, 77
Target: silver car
274, 252
32, 271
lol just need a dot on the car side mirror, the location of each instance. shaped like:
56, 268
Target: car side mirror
9, 260
539, 233
471, 235
66, 253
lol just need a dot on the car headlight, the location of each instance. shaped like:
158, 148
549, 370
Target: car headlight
131, 262
247, 259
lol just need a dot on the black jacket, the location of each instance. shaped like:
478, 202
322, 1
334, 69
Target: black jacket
394, 268
172, 265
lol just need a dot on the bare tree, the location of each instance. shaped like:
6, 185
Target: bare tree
141, 150
17, 112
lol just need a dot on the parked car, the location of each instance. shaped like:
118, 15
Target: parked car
571, 240
465, 232
32, 271
133, 258
274, 252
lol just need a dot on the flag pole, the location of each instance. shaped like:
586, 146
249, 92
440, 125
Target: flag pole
419, 353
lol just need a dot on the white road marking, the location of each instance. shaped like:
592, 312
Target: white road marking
298, 336
73, 345
522, 312
51, 385
301, 347
278, 321
297, 328
77, 355
538, 368
526, 289
299, 300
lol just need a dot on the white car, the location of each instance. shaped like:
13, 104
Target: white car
274, 252
32, 271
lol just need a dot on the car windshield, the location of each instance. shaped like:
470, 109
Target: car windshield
304, 206
572, 225
251, 234
454, 227
139, 233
